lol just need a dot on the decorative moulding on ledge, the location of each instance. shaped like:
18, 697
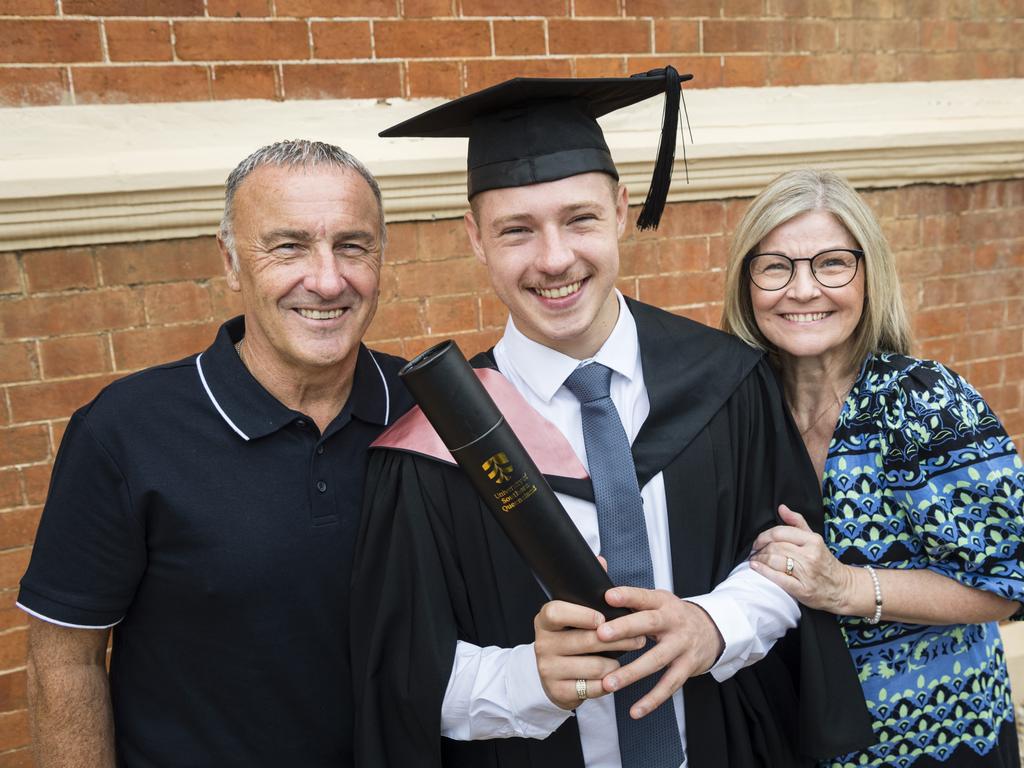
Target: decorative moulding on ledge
100, 174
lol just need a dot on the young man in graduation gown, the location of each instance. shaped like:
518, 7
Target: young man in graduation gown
463, 660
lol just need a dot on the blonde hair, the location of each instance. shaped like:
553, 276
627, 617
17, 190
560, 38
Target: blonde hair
883, 326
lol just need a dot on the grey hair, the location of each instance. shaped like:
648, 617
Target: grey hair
883, 325
293, 153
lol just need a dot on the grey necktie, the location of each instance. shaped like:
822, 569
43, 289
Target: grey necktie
653, 741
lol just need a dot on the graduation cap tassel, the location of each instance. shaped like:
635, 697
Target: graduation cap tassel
661, 179
686, 166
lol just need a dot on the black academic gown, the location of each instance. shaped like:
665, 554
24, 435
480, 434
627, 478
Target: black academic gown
433, 567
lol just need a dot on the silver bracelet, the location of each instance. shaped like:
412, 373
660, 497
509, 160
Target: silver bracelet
878, 596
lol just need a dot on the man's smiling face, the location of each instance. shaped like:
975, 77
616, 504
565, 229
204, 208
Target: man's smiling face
308, 264
552, 253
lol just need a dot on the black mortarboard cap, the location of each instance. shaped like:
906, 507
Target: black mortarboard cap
530, 130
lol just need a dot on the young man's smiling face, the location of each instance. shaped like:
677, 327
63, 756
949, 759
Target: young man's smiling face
309, 251
552, 253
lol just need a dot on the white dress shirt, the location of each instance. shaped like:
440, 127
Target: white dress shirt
496, 692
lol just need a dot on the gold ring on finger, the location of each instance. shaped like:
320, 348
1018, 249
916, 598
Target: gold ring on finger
789, 566
581, 689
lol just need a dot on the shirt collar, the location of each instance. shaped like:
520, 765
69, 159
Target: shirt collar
545, 370
370, 398
253, 412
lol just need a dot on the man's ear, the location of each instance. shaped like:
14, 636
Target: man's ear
621, 209
230, 273
473, 230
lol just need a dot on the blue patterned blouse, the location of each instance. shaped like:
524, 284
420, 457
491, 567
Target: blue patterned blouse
920, 474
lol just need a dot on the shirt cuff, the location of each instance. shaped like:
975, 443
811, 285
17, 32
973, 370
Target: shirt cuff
496, 693
737, 633
751, 613
537, 716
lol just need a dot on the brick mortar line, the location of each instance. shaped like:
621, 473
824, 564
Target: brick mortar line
175, 62
28, 465
111, 332
973, 360
213, 19
173, 42
107, 287
696, 17
295, 19
18, 508
388, 60
37, 357
285, 20
37, 423
55, 379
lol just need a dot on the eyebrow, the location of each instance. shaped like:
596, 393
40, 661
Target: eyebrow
817, 253
512, 218
305, 236
286, 234
356, 234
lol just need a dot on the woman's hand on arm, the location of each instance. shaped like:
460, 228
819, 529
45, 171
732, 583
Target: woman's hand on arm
819, 580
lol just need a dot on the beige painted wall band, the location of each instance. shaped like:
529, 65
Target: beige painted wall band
81, 175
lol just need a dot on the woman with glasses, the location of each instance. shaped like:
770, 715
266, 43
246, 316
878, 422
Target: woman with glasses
920, 552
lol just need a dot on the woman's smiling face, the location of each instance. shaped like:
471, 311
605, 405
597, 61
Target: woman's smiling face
806, 319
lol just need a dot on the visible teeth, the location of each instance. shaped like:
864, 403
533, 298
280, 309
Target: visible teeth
321, 314
807, 318
557, 293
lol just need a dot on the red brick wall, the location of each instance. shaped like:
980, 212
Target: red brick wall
115, 51
73, 319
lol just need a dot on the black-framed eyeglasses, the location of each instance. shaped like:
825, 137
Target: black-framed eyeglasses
833, 268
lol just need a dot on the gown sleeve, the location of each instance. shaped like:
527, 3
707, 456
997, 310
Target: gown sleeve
802, 702
833, 718
403, 625
959, 478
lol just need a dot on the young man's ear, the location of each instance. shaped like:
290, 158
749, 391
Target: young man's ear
473, 230
621, 208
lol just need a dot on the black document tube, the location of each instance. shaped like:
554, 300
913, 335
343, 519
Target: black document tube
488, 451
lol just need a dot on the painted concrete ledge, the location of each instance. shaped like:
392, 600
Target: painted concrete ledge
95, 174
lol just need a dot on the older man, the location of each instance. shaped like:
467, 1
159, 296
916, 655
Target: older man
462, 659
206, 509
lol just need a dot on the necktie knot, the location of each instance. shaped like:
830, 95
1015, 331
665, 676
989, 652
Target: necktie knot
590, 382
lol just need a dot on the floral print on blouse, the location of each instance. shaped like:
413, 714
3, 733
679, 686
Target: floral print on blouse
921, 474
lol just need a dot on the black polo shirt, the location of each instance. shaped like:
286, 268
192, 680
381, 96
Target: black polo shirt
214, 527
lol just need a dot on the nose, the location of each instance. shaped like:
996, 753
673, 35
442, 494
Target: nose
803, 286
556, 254
325, 277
